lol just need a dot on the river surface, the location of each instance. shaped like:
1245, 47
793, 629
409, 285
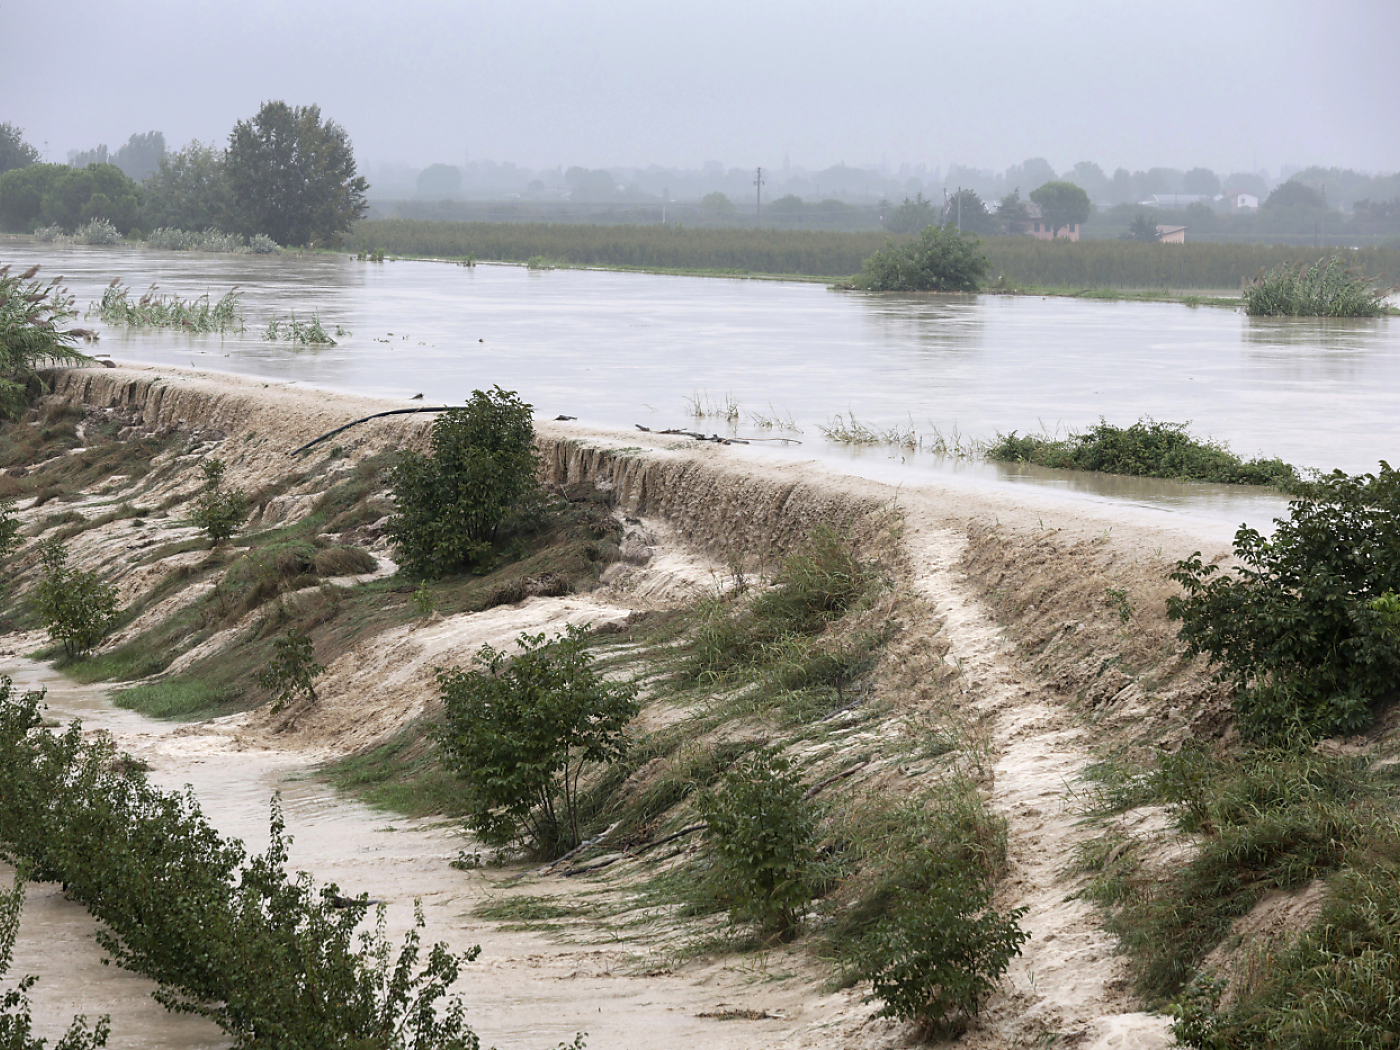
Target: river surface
618, 349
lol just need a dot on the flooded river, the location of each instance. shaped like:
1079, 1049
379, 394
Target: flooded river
618, 349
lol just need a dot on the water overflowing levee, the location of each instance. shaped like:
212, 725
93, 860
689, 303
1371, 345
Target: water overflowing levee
1025, 613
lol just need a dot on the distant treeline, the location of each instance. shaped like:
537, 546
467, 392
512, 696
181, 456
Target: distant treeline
1016, 261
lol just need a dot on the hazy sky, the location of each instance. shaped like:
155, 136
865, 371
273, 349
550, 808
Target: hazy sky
1231, 84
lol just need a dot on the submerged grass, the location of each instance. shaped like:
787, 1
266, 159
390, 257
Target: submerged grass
153, 310
1145, 449
303, 333
848, 430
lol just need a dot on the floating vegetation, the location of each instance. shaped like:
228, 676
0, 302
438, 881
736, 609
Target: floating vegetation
539, 262
304, 333
153, 310
847, 430
1325, 289
210, 240
1145, 449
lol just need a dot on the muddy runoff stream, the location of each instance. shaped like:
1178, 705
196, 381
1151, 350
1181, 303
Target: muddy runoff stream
525, 991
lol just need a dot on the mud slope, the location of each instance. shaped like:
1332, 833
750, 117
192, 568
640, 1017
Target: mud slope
1049, 611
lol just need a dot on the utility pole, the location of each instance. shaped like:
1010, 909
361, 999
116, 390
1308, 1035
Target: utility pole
664, 194
758, 197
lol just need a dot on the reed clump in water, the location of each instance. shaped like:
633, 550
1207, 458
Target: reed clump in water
303, 333
153, 310
1325, 289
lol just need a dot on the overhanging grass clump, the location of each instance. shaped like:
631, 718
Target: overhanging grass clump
1145, 449
1327, 288
1266, 820
780, 639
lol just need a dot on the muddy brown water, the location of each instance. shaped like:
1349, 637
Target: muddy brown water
618, 349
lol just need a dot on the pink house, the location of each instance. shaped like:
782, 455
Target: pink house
1038, 228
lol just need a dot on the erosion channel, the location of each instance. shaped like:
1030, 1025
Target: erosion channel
1016, 638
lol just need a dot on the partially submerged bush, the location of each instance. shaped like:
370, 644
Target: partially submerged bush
1301, 628
210, 240
1145, 449
763, 837
290, 677
940, 259
1324, 289
456, 502
519, 732
270, 957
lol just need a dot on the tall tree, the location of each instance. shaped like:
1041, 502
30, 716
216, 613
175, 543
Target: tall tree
141, 155
293, 176
189, 191
1061, 204
14, 151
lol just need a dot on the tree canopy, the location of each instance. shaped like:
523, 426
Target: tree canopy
912, 216
55, 194
293, 176
189, 191
1061, 204
14, 151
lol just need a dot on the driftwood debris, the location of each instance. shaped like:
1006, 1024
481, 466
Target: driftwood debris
821, 785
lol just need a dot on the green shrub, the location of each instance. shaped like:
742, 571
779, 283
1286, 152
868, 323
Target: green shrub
1145, 449
291, 675
1296, 628
942, 951
763, 837
940, 259
1327, 288
76, 608
32, 334
519, 731
453, 504
218, 511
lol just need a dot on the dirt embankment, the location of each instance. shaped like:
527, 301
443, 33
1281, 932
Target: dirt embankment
1042, 619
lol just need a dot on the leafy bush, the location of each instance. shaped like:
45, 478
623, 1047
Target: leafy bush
763, 835
168, 238
271, 958
1298, 628
292, 673
76, 608
453, 504
520, 731
32, 333
1327, 288
942, 952
920, 929
218, 511
939, 260
97, 231
1145, 449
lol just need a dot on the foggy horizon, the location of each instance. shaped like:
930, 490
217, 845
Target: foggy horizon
1236, 87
